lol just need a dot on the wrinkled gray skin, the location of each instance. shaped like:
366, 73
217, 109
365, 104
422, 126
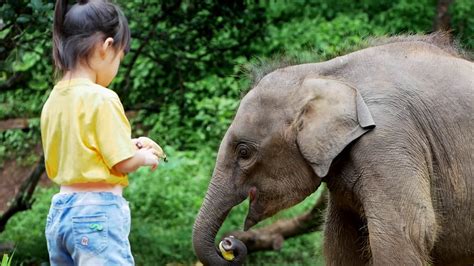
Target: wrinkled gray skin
388, 128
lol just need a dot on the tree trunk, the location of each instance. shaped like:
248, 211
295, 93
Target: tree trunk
23, 199
442, 20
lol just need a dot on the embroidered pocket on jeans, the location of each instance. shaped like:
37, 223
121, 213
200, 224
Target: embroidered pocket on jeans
90, 232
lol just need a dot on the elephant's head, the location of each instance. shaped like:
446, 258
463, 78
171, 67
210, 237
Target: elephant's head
285, 135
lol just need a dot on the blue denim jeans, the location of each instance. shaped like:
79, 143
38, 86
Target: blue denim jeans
89, 228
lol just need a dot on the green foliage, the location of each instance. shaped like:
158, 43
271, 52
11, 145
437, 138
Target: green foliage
163, 234
20, 143
318, 37
463, 22
26, 230
24, 54
209, 115
407, 16
18, 103
188, 55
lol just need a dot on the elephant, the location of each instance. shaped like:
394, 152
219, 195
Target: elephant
388, 128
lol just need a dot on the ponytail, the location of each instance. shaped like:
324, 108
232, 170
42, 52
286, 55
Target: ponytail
60, 11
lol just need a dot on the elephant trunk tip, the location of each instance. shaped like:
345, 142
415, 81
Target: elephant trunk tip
233, 250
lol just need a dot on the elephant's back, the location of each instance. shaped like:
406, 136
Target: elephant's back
404, 69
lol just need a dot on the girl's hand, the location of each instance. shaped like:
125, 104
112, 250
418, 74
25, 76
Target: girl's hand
142, 157
144, 142
149, 157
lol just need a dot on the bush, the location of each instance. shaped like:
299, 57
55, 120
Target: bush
26, 229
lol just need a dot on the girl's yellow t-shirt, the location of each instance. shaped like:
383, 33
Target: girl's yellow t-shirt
85, 133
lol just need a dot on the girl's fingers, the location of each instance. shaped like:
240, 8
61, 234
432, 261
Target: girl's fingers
148, 146
154, 151
153, 167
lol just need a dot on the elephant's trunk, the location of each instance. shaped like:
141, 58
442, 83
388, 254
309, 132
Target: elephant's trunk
218, 202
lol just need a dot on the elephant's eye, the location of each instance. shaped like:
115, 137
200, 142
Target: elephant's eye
243, 151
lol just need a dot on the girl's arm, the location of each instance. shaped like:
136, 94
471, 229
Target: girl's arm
141, 157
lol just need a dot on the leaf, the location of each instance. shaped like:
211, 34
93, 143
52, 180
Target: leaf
22, 19
36, 4
27, 61
4, 33
7, 260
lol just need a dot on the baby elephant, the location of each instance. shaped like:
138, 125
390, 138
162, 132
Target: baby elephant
389, 128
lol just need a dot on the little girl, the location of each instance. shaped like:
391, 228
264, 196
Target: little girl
87, 138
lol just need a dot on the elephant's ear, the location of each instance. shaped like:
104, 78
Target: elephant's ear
333, 116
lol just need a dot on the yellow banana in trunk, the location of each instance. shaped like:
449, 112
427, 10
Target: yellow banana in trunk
228, 255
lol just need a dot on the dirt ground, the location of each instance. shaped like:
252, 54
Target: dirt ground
11, 177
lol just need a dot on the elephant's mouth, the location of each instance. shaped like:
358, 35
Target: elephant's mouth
255, 210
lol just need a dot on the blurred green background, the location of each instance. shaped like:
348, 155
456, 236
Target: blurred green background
182, 81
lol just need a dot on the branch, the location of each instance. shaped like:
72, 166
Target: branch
272, 236
8, 247
14, 123
23, 199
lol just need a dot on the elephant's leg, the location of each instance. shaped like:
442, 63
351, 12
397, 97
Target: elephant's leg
401, 222
345, 238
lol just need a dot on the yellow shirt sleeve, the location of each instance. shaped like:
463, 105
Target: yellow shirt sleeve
112, 132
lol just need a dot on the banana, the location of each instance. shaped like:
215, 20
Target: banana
147, 142
228, 255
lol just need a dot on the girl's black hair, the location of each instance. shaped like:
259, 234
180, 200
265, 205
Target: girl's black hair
79, 27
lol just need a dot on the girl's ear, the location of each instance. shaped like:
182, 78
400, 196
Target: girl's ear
107, 45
